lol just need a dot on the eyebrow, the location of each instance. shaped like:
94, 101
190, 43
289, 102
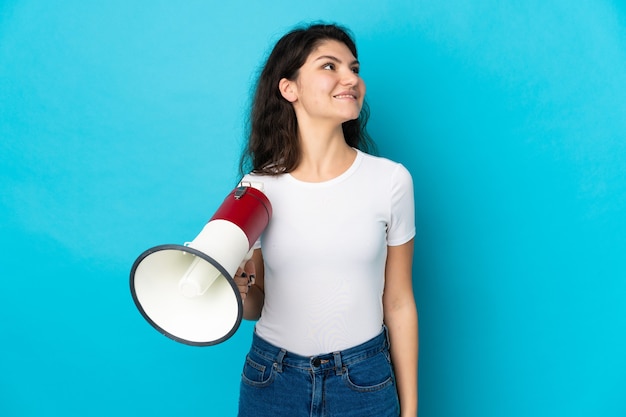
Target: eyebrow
332, 58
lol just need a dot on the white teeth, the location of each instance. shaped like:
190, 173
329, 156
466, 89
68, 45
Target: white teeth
345, 96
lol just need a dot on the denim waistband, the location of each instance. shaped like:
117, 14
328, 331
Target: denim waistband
334, 360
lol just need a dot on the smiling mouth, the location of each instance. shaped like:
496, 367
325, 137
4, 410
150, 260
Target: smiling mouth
351, 96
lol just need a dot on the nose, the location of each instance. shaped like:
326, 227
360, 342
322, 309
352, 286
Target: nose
350, 78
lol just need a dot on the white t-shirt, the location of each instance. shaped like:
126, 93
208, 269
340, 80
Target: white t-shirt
325, 249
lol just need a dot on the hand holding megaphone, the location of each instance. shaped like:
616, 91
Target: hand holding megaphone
245, 275
190, 292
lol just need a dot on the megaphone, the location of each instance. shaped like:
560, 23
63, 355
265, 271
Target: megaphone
187, 292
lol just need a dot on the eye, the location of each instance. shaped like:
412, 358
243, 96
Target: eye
329, 66
356, 69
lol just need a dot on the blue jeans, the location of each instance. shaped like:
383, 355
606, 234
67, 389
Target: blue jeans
356, 382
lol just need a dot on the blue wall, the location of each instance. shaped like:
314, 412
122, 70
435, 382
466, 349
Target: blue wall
120, 127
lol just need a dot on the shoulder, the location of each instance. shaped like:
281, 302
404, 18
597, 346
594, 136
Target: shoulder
379, 161
264, 182
254, 176
384, 167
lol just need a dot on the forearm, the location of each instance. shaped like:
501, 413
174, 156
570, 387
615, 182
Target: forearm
253, 303
404, 347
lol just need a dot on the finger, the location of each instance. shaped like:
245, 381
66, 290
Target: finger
242, 279
249, 267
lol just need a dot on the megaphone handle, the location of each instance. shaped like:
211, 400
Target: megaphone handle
250, 277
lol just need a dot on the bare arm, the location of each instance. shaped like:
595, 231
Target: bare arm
251, 289
401, 320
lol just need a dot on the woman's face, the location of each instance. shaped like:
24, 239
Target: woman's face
328, 86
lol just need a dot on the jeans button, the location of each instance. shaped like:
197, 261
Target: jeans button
316, 362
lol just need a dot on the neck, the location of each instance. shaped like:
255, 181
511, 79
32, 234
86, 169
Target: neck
325, 154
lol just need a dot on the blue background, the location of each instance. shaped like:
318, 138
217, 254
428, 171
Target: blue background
121, 125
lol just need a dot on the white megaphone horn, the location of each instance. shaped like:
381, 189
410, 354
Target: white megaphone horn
187, 292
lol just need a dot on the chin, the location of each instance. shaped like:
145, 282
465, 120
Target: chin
353, 117
350, 116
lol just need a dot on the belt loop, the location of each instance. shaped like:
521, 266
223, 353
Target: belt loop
338, 364
279, 360
386, 330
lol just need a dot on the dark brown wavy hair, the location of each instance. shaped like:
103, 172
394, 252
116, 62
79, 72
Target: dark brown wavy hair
273, 146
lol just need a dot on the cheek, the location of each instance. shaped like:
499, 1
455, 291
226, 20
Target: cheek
316, 86
362, 91
362, 87
326, 84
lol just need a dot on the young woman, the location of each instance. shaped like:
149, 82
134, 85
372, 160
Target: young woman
330, 279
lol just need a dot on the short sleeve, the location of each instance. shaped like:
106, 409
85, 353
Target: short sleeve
401, 227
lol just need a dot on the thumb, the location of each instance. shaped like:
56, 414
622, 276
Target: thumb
250, 269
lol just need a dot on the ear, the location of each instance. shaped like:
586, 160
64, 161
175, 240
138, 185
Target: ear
287, 89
